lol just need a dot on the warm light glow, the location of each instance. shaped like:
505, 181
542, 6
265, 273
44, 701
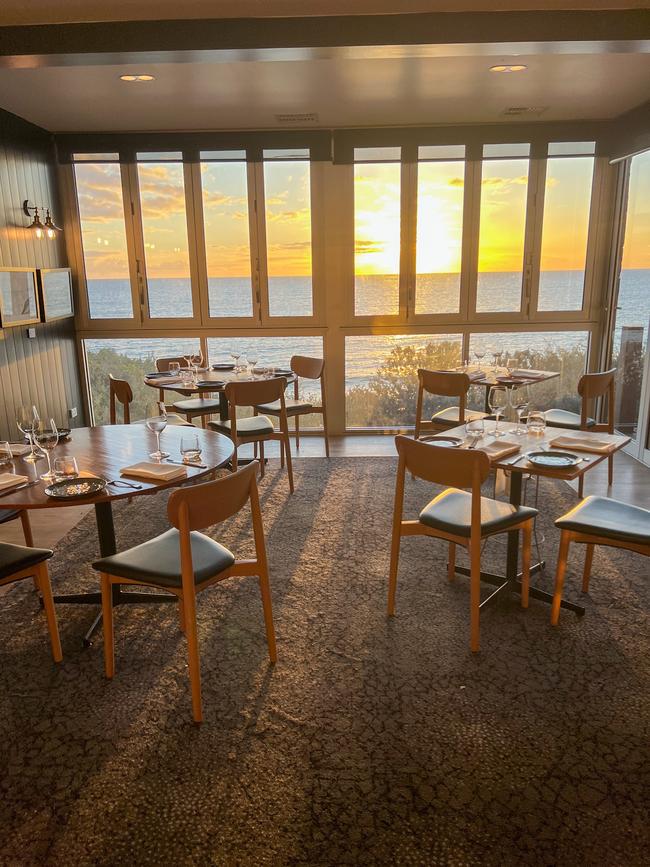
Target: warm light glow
509, 68
139, 77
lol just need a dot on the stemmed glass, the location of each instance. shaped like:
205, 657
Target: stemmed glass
497, 401
479, 354
156, 422
26, 420
520, 402
174, 368
252, 361
235, 355
47, 439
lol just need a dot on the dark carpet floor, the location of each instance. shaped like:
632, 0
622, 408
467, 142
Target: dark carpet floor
370, 742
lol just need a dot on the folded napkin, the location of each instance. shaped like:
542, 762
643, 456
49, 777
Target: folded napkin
10, 480
500, 449
19, 449
163, 380
154, 472
583, 444
532, 374
473, 374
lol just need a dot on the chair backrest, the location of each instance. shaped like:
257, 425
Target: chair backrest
212, 502
119, 390
162, 364
443, 382
308, 368
254, 392
457, 468
594, 385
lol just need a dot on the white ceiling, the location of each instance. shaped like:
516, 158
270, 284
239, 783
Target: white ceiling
343, 89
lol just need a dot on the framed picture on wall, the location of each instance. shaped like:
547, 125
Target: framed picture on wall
55, 290
18, 297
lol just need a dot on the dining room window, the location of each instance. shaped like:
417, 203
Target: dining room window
504, 195
98, 182
287, 201
164, 228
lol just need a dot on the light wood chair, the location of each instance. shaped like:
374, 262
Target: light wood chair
456, 516
305, 368
185, 562
591, 386
121, 392
442, 383
257, 428
162, 366
7, 515
598, 521
18, 562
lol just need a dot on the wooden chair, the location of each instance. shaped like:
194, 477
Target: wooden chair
121, 392
458, 517
257, 428
162, 366
18, 562
7, 515
444, 383
590, 387
306, 368
598, 521
184, 562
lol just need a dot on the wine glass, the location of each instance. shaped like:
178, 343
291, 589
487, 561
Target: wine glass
497, 401
190, 448
479, 354
498, 354
174, 368
5, 453
475, 428
46, 435
156, 422
26, 418
252, 361
235, 355
520, 402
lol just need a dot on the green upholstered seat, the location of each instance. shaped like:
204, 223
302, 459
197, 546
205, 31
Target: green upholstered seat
15, 558
564, 418
451, 416
158, 561
197, 404
451, 512
294, 407
600, 516
256, 425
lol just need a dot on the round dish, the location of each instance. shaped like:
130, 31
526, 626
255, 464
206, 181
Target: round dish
553, 459
79, 487
223, 365
443, 442
205, 383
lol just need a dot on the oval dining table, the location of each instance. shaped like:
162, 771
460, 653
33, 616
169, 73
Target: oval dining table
103, 451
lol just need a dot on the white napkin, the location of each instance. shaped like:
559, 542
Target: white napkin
499, 449
19, 449
583, 444
10, 480
154, 472
533, 374
163, 380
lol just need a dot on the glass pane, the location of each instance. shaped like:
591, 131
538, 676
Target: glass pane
376, 239
286, 154
381, 381
439, 237
288, 237
275, 352
441, 152
227, 241
103, 236
160, 157
96, 158
504, 187
129, 359
563, 352
633, 307
571, 148
499, 151
564, 234
162, 198
378, 155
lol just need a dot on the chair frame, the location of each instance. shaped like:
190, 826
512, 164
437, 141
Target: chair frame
41, 577
196, 508
246, 393
119, 392
442, 384
458, 469
568, 537
162, 365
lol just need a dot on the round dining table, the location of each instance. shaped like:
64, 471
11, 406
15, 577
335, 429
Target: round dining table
104, 451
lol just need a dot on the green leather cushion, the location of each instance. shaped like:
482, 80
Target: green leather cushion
451, 512
294, 407
564, 418
194, 404
451, 415
158, 561
257, 425
610, 518
15, 558
8, 515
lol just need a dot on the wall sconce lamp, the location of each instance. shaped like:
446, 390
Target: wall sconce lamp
39, 228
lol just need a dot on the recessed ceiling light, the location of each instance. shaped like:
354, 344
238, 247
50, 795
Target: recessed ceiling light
137, 77
516, 68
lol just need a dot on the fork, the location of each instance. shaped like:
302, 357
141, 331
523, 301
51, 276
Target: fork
122, 484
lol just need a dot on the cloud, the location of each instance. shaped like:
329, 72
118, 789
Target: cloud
288, 216
522, 180
456, 182
367, 247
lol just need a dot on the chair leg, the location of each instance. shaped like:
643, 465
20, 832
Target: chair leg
27, 528
474, 599
297, 431
107, 616
181, 614
287, 449
327, 439
610, 470
255, 450
43, 580
589, 556
562, 557
265, 590
281, 454
392, 575
193, 659
262, 459
525, 562
233, 460
581, 486
451, 564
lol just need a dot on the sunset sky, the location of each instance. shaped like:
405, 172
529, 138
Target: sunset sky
377, 218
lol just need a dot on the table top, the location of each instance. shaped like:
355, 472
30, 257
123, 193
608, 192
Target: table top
509, 381
104, 450
534, 442
219, 377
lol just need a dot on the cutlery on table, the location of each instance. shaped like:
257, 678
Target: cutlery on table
19, 487
188, 464
121, 483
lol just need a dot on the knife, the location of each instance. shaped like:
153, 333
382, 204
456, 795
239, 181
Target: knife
517, 459
19, 487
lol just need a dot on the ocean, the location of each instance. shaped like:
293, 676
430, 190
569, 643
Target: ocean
437, 293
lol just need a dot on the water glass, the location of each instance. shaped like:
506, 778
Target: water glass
498, 401
187, 377
174, 368
190, 448
156, 422
5, 453
46, 435
475, 430
520, 405
536, 422
66, 468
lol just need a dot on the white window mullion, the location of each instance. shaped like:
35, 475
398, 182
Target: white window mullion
135, 240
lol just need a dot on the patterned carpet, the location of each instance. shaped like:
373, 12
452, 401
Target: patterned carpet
370, 742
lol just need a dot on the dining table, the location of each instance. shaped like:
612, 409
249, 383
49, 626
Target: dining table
506, 379
516, 466
103, 452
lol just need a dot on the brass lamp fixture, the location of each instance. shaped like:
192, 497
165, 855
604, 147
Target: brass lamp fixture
39, 228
